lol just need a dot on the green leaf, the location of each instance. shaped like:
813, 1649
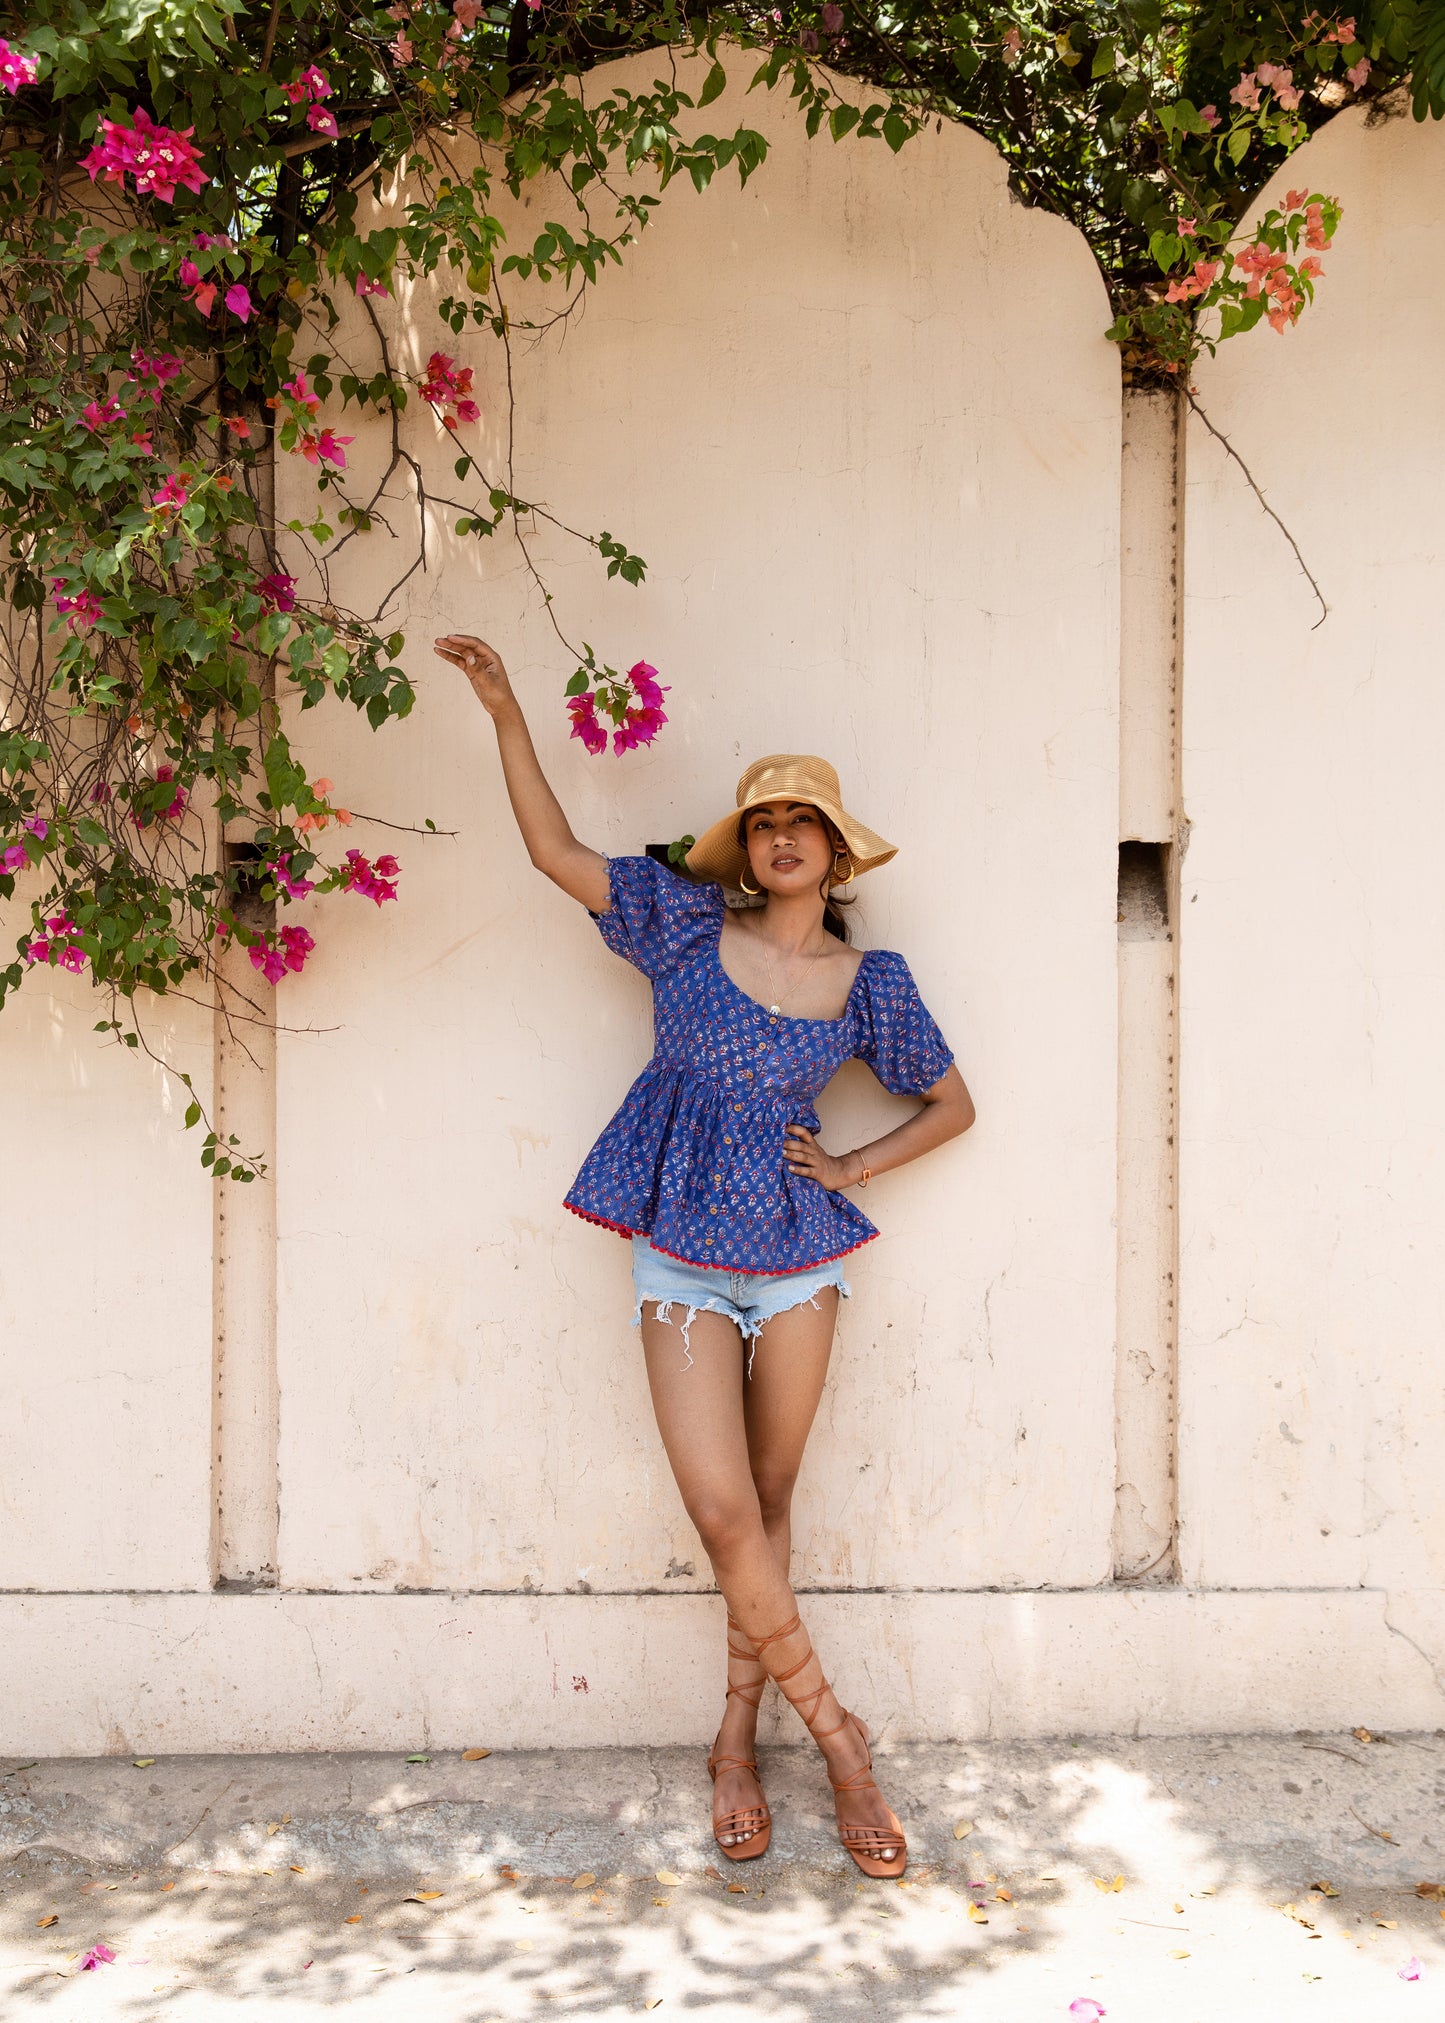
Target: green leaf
714, 86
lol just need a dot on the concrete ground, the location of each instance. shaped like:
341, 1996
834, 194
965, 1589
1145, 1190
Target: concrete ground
1220, 1877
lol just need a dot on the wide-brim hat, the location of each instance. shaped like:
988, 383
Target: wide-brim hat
786, 776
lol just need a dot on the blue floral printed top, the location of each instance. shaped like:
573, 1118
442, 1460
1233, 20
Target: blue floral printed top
694, 1157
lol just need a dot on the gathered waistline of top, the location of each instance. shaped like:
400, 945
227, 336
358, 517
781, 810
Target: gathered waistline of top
709, 1264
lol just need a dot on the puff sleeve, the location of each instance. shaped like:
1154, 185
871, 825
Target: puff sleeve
658, 919
898, 1037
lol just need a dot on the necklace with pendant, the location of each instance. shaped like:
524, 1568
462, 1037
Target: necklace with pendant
775, 1008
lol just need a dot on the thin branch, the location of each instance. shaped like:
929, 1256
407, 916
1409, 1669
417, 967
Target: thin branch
1223, 439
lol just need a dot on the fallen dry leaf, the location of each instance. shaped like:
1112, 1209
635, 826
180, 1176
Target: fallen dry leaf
167, 1886
296, 1868
738, 1889
962, 1828
354, 1919
584, 1881
978, 1914
1178, 1953
52, 1919
423, 1897
1102, 1883
715, 1874
1325, 1889
655, 2003
1430, 1889
143, 1763
666, 1877
285, 1819
1362, 1734
272, 1826
1388, 1924
474, 1755
524, 1945
1293, 1911
662, 1902
1003, 1896
1180, 1909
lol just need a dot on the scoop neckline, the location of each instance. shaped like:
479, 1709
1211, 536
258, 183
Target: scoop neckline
786, 1018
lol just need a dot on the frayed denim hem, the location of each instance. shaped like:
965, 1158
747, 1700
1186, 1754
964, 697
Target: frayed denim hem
750, 1329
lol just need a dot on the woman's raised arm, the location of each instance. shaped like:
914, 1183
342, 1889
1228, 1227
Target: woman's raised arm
582, 873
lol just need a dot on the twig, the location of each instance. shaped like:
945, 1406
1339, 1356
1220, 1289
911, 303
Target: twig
1378, 1831
1152, 1926
1219, 437
204, 1810
1348, 1754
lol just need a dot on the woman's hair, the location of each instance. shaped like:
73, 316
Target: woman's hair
834, 917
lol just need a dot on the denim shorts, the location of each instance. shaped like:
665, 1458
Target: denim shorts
748, 1298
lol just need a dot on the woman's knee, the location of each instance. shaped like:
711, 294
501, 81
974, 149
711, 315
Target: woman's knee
775, 1493
725, 1523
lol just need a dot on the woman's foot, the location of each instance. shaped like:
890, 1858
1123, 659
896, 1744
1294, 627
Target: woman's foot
861, 1804
736, 1790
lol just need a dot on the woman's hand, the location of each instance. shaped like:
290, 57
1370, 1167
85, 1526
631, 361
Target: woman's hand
805, 1155
482, 666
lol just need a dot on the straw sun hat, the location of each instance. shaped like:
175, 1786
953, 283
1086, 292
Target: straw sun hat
786, 776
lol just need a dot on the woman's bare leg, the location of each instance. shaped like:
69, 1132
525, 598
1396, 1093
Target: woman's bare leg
780, 1400
700, 1415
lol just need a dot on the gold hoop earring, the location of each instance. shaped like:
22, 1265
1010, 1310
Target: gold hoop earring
852, 868
751, 890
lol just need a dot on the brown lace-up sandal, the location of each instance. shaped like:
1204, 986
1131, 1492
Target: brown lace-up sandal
863, 1843
753, 1820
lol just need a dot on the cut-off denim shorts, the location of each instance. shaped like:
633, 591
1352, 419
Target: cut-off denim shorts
748, 1298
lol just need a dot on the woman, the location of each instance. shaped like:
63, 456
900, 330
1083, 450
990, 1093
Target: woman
735, 1212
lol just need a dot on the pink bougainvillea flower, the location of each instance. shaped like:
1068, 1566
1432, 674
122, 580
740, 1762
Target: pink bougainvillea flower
365, 287
316, 81
1246, 92
297, 945
583, 711
832, 18
468, 12
203, 292
206, 242
95, 417
1188, 226
81, 610
321, 121
1012, 44
239, 426
344, 815
1411, 1971
449, 385
16, 69
402, 50
1315, 229
1293, 199
270, 961
141, 438
301, 393
171, 493
278, 590
13, 858
322, 786
373, 881
102, 791
1358, 73
330, 448
160, 158
1210, 115
36, 826
1086, 2010
1312, 266
238, 300
37, 951
294, 888
177, 807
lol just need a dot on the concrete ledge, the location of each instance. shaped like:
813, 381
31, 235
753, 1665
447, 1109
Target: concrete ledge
95, 1675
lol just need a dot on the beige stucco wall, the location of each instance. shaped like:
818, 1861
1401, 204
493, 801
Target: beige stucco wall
1313, 1099
862, 422
864, 428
